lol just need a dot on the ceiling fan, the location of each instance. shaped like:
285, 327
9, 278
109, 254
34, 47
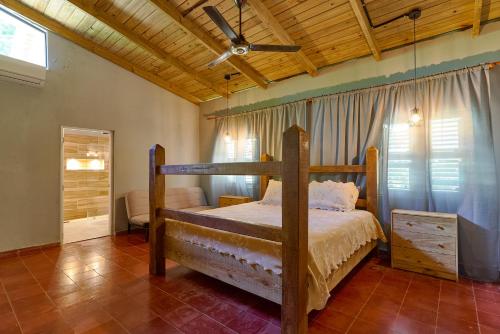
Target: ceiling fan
239, 45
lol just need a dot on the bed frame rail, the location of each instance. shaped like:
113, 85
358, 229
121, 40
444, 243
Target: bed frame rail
266, 232
294, 170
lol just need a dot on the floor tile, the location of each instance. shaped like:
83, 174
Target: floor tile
103, 286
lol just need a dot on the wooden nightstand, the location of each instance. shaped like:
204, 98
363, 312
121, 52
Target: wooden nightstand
228, 200
425, 242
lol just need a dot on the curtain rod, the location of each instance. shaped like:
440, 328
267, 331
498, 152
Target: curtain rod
214, 115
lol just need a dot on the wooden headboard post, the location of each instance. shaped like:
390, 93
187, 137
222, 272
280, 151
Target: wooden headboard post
294, 248
264, 179
156, 203
372, 180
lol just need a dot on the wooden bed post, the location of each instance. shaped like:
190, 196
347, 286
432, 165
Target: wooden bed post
295, 174
372, 180
264, 179
156, 202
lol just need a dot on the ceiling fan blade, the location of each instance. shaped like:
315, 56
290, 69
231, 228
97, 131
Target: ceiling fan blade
221, 22
274, 48
225, 56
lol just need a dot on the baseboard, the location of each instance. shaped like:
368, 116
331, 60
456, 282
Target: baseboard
27, 250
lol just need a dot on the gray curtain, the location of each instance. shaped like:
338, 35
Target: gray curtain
252, 134
446, 164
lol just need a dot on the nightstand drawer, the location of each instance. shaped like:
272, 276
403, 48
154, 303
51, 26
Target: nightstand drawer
426, 242
233, 200
415, 260
421, 224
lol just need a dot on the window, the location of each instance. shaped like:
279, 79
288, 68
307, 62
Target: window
249, 154
399, 161
19, 39
446, 162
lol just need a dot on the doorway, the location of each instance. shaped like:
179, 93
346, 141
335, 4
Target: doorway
86, 191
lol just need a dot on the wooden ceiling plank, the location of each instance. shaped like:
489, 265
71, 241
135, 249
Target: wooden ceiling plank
211, 43
357, 8
272, 23
476, 23
137, 39
87, 44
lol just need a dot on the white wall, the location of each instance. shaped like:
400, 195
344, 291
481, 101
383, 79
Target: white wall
82, 90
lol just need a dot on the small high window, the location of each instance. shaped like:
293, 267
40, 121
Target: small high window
20, 39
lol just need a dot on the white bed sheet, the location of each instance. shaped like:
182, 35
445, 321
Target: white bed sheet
333, 237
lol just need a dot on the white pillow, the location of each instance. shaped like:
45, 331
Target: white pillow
343, 196
273, 193
326, 195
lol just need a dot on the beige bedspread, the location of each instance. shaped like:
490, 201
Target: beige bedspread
333, 237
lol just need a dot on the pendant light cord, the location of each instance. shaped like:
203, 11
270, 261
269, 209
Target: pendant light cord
415, 61
227, 105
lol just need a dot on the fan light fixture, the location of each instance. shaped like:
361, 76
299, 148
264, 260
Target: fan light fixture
415, 113
227, 136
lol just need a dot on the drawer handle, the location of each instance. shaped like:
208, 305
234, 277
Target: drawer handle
440, 227
440, 245
409, 224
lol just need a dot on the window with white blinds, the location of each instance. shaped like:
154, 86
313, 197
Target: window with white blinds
250, 154
446, 162
399, 159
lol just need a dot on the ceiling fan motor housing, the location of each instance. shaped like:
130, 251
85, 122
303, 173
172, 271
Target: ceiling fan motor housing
239, 49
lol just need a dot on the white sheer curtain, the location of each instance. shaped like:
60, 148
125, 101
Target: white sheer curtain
251, 135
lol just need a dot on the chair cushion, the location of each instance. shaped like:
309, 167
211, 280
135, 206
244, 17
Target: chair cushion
137, 203
197, 208
140, 219
187, 197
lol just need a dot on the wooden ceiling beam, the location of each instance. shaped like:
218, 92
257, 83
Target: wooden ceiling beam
87, 44
476, 22
146, 45
359, 12
211, 43
268, 19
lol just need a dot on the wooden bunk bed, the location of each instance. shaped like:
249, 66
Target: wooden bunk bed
290, 289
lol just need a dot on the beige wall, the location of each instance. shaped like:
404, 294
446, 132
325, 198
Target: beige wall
85, 91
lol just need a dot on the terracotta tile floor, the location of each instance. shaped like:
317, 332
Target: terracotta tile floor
103, 286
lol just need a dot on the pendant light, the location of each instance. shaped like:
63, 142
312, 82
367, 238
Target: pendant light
227, 136
415, 113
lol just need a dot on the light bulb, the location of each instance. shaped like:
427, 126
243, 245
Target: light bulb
227, 137
415, 117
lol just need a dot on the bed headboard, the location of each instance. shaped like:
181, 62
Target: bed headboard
370, 169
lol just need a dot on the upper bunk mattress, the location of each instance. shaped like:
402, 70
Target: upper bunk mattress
333, 237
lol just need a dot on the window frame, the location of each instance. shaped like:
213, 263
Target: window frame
34, 25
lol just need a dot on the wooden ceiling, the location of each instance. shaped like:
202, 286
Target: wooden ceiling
170, 42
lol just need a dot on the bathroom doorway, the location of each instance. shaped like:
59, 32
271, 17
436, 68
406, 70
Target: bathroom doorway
86, 185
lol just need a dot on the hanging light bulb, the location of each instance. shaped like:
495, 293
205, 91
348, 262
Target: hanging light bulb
227, 136
415, 117
415, 114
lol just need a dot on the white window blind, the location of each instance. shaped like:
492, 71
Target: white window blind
446, 162
249, 154
399, 161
